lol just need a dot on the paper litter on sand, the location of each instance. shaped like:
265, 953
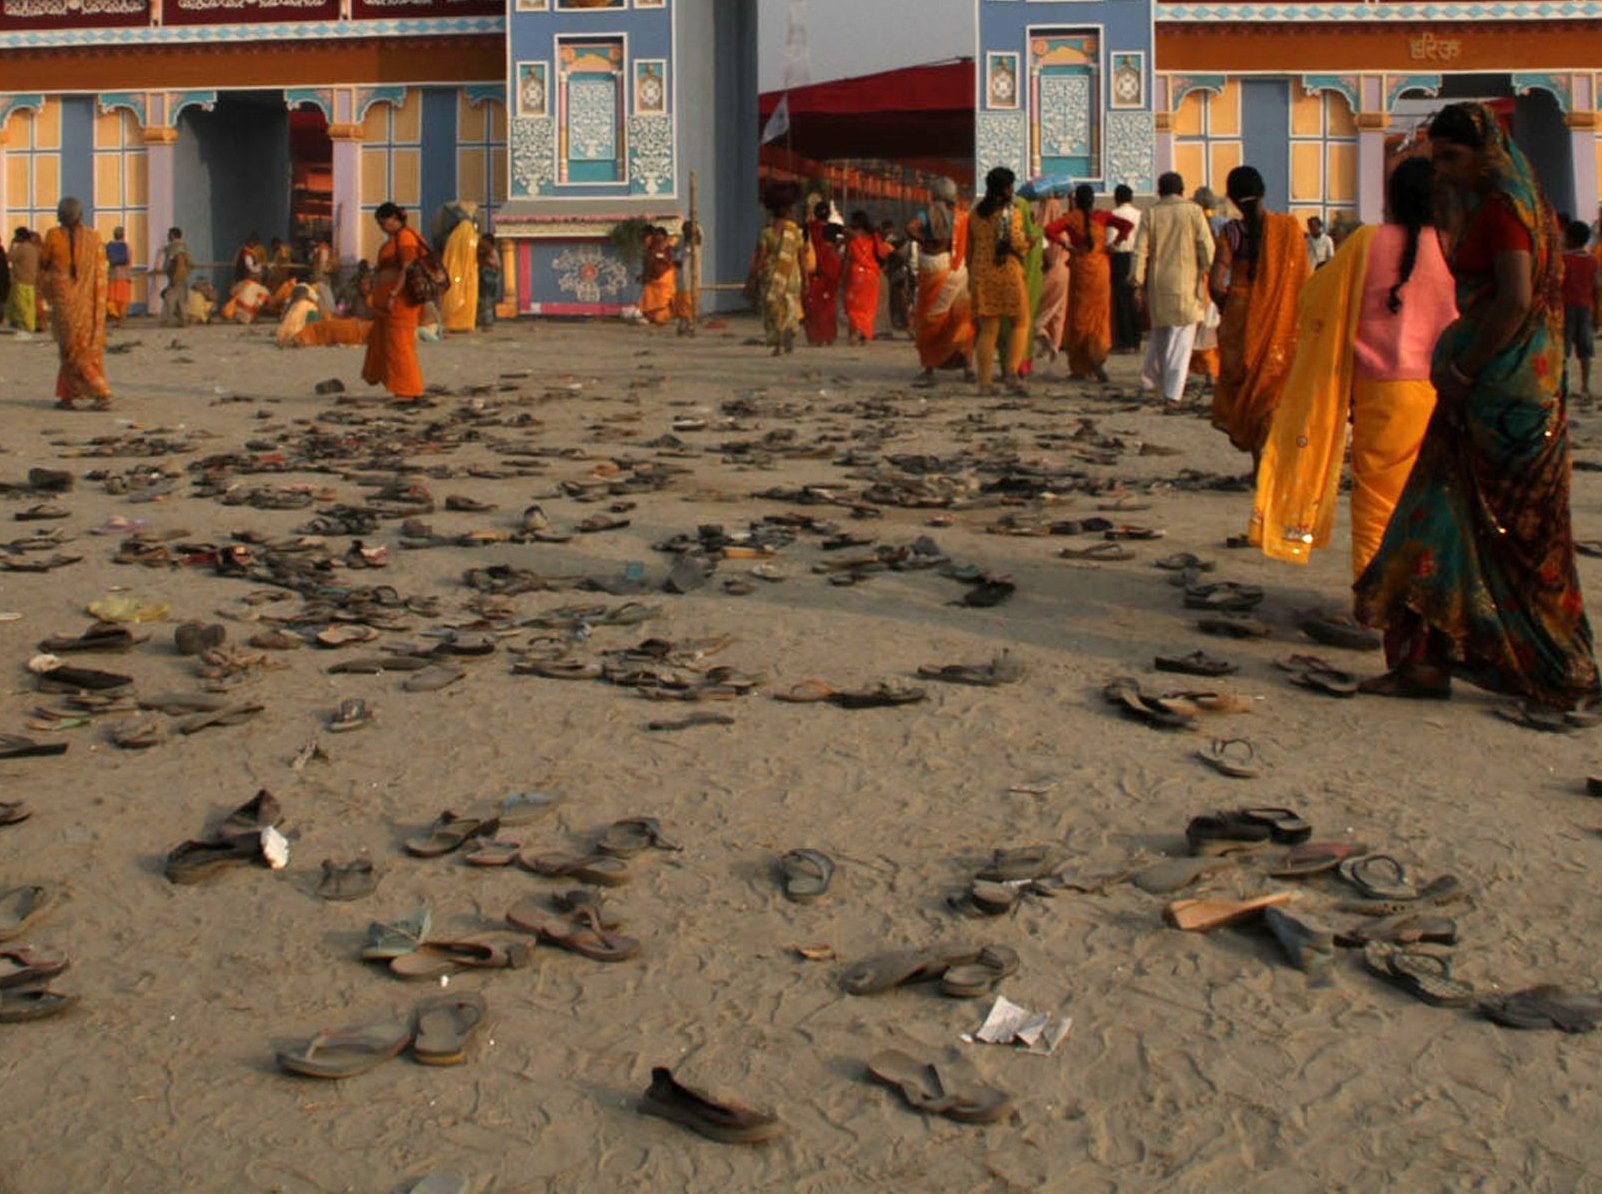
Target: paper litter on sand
274, 848
1032, 1031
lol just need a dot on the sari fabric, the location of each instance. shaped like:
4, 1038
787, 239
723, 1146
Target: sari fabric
72, 275
822, 303
1088, 333
327, 333
459, 304
119, 279
864, 252
660, 278
1000, 288
392, 344
943, 319
1480, 550
780, 281
1257, 334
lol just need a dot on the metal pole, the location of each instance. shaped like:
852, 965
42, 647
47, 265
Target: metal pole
692, 261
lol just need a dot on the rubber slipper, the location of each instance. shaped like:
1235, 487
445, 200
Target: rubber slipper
1284, 825
971, 980
492, 851
347, 880
374, 665
446, 1025
560, 669
432, 679
1409, 928
1124, 693
1231, 756
261, 811
720, 1119
625, 839
988, 594
1338, 631
1225, 832
1003, 669
601, 869
523, 808
24, 968
19, 1004
228, 715
1306, 947
986, 897
101, 636
387, 940
580, 931
881, 696
1316, 858
927, 1088
1223, 596
1321, 677
354, 714
1200, 915
1099, 552
806, 693
346, 1052
1425, 975
449, 832
1235, 627
1020, 862
436, 959
1379, 877
196, 860
1445, 889
14, 812
1184, 561
906, 966
196, 638
14, 746
1545, 1006
1176, 874
81, 679
1197, 663
806, 874
1130, 531
139, 733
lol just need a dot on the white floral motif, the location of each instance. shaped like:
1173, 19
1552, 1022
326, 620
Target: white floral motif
533, 155
1001, 139
592, 120
588, 274
1132, 149
62, 8
650, 154
1065, 116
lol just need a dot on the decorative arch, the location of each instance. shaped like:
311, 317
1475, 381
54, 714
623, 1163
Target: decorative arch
128, 101
485, 93
206, 101
1179, 86
1346, 85
19, 103
366, 97
1397, 86
321, 98
1557, 86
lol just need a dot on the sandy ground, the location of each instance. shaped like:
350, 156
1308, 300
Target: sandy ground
1195, 1062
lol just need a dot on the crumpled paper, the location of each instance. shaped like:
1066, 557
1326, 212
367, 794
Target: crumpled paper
1033, 1032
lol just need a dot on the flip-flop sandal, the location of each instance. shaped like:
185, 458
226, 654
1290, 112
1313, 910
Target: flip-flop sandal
1100, 552
449, 832
691, 722
881, 696
560, 669
1284, 824
1020, 862
81, 679
261, 811
1379, 877
907, 966
1003, 669
139, 733
524, 808
1225, 832
579, 931
347, 880
1176, 874
806, 693
1535, 717
929, 1089
1305, 947
432, 679
806, 874
102, 636
354, 714
1316, 858
1201, 915
1338, 632
373, 665
196, 860
986, 898
721, 1119
446, 1025
1234, 757
1425, 975
625, 839
1204, 701
229, 715
1410, 928
1328, 680
493, 851
437, 959
14, 812
24, 968
14, 746
1197, 663
1184, 561
1235, 627
387, 940
1132, 532
1225, 596
1586, 714
1544, 1006
346, 1052
600, 869
20, 1004
1445, 889
1125, 694
988, 594
971, 980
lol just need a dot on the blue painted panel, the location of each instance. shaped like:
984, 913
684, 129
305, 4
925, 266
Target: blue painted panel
1265, 135
439, 150
78, 150
581, 273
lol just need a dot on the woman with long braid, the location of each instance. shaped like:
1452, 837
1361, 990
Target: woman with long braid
1257, 275
1089, 335
73, 276
1369, 322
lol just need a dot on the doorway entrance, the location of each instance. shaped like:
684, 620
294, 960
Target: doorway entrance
311, 194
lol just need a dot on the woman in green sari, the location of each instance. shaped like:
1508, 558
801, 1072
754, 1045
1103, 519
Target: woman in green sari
1475, 576
776, 271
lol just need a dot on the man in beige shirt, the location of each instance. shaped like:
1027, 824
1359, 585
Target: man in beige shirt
1173, 252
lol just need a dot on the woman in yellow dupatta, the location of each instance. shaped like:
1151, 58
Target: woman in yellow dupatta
1258, 272
776, 268
459, 304
72, 277
1368, 325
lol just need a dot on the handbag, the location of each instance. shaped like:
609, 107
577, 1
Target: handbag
426, 277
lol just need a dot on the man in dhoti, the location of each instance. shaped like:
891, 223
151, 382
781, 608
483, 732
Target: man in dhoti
1173, 252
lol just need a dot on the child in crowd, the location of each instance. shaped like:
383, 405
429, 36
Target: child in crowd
1580, 280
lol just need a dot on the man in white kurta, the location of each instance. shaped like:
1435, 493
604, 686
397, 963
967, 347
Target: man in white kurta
1173, 252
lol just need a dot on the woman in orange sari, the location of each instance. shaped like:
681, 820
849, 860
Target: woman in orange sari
943, 320
822, 300
72, 277
864, 253
1088, 333
392, 343
660, 277
1257, 277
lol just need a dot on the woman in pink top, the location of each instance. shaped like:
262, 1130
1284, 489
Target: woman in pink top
1369, 322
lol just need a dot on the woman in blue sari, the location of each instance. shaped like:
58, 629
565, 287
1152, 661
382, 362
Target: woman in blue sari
1475, 577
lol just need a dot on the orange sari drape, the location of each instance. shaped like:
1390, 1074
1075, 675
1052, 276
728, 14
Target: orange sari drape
72, 278
1257, 335
326, 333
944, 316
392, 343
661, 281
1088, 336
863, 254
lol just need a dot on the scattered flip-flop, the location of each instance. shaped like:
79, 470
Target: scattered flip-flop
806, 874
449, 832
724, 1120
353, 714
446, 1026
1003, 669
387, 940
347, 880
1309, 671
14, 746
1428, 976
1234, 757
1197, 663
21, 907
634, 835
603, 870
1124, 694
1315, 858
1306, 946
579, 931
21, 1004
881, 696
972, 980
905, 967
935, 1090
1545, 1006
347, 1052
439, 959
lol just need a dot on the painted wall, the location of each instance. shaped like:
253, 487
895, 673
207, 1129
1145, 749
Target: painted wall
231, 175
718, 64
1539, 130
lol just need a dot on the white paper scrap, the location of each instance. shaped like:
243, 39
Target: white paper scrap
274, 848
1032, 1031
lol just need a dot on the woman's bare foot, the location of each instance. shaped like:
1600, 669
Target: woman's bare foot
1411, 681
